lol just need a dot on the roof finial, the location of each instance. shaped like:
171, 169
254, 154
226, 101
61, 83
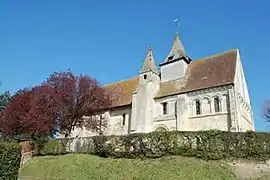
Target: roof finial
177, 24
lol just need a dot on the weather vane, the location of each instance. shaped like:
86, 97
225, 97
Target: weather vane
177, 24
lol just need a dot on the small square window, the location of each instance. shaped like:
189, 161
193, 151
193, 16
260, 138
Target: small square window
145, 76
164, 107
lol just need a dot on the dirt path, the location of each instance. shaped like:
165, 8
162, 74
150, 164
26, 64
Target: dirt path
249, 170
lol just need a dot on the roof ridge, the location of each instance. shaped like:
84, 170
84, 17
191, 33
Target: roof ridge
216, 55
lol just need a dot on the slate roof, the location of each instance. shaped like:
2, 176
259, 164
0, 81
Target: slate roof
212, 71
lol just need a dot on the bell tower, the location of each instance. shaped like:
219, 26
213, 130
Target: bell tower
175, 64
143, 104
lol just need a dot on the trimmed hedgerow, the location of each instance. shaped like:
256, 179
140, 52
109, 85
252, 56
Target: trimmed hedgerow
52, 147
211, 145
10, 157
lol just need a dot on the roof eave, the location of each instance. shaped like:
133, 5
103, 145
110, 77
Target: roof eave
185, 58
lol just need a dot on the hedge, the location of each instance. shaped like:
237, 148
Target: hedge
10, 157
210, 145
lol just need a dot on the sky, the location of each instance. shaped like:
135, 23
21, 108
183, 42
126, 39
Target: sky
108, 40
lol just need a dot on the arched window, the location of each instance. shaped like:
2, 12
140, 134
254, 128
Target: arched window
217, 104
161, 129
198, 107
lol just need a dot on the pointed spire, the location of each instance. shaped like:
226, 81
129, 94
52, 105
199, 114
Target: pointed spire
149, 62
177, 50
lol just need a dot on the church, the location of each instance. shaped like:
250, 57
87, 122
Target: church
182, 94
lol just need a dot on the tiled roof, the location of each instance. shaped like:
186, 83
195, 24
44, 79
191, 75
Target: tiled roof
122, 91
209, 72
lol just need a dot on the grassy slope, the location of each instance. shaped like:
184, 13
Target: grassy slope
82, 167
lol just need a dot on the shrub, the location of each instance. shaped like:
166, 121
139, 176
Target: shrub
10, 157
52, 147
210, 145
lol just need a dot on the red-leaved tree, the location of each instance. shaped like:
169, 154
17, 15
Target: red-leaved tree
78, 96
30, 111
58, 104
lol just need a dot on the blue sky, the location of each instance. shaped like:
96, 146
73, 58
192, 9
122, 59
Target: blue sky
108, 39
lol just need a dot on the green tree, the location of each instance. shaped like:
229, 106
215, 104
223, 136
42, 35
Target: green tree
4, 100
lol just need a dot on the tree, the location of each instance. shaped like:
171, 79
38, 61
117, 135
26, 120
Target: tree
266, 111
4, 100
76, 97
57, 105
30, 112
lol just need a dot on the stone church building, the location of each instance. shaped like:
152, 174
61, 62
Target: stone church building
184, 95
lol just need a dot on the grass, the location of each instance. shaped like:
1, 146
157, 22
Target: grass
84, 167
